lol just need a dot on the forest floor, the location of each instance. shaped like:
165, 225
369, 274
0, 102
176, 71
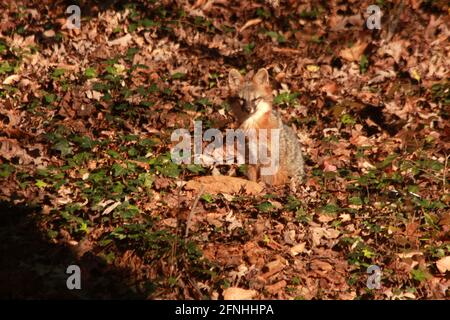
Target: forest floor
86, 177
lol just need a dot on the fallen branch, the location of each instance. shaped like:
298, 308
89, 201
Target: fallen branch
188, 222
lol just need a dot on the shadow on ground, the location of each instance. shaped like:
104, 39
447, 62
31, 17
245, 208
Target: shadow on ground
33, 268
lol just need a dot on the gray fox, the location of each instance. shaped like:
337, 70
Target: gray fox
256, 99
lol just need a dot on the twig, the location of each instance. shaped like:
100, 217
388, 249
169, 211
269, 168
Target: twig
444, 178
394, 22
188, 222
286, 50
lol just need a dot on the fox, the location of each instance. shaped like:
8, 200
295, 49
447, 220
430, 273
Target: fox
256, 101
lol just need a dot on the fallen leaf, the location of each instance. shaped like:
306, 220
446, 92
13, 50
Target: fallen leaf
355, 52
312, 68
406, 255
49, 33
276, 287
297, 249
122, 41
111, 208
234, 293
11, 79
250, 23
443, 264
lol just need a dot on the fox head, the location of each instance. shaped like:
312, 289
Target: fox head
254, 93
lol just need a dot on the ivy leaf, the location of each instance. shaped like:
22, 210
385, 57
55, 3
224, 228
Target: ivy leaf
41, 184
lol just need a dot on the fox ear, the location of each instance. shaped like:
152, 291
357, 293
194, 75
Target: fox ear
234, 78
261, 77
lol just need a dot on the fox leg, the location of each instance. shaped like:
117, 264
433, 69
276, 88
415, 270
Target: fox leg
268, 179
252, 173
275, 179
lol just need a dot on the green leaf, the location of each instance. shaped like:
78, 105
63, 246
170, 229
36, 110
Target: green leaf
64, 147
265, 206
3, 48
276, 36
330, 209
111, 70
49, 98
41, 184
260, 12
178, 75
204, 102
132, 152
146, 180
6, 170
90, 73
207, 197
84, 142
147, 23
170, 169
147, 104
420, 274
386, 162
312, 14
58, 72
347, 119
286, 97
114, 154
5, 67
413, 189
368, 253
98, 177
132, 27
248, 48
195, 168
355, 201
119, 170
363, 63
292, 204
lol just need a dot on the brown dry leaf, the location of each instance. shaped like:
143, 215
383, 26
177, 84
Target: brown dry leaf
355, 52
254, 254
320, 265
319, 233
222, 184
170, 222
324, 218
445, 222
122, 41
11, 79
14, 117
328, 167
407, 255
111, 208
250, 23
339, 23
82, 247
443, 264
394, 49
226, 255
234, 293
10, 148
215, 219
297, 249
358, 139
276, 287
348, 295
274, 267
49, 33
